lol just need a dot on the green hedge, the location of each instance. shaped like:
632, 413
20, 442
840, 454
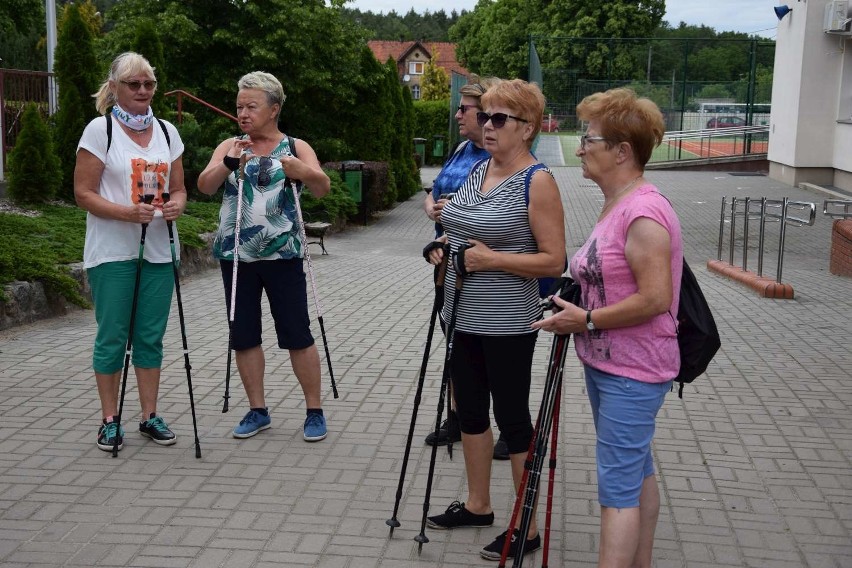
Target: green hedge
431, 119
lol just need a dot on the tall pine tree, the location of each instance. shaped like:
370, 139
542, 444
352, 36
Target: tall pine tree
77, 73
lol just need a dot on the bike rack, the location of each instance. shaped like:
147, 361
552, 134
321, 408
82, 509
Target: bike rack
829, 206
762, 210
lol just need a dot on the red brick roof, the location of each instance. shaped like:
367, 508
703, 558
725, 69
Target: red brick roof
445, 52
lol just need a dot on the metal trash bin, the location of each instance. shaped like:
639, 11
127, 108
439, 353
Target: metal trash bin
438, 146
420, 149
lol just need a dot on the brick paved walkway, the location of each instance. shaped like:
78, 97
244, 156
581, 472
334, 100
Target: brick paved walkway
755, 463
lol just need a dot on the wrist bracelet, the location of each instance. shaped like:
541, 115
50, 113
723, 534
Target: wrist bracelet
231, 163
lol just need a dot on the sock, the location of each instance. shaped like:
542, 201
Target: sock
314, 411
261, 411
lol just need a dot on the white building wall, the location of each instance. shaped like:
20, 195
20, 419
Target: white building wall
812, 89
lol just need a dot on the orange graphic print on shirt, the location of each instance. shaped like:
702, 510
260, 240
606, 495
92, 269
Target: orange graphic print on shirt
148, 178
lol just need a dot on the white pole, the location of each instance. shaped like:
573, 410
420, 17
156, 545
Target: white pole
50, 12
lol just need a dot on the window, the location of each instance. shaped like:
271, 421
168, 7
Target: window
415, 67
415, 92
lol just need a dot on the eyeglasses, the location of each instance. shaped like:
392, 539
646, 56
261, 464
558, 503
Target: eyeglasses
134, 86
498, 119
585, 139
464, 108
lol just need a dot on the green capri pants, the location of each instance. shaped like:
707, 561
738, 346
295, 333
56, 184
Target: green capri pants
112, 286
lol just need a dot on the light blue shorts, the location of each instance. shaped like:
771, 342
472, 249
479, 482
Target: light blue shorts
625, 412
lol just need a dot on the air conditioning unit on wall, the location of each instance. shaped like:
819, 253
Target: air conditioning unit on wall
836, 18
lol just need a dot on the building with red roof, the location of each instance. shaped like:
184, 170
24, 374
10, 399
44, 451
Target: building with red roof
411, 58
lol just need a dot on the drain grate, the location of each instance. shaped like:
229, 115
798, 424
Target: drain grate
747, 174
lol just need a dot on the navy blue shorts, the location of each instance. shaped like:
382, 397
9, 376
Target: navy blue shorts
283, 280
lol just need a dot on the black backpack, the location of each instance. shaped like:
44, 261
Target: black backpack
697, 335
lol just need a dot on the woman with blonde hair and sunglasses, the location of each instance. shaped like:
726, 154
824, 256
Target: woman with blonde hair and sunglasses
510, 212
121, 155
271, 248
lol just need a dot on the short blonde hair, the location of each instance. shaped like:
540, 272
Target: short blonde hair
267, 83
625, 117
125, 65
477, 86
522, 98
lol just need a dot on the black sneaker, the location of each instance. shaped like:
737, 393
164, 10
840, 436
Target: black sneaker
501, 449
457, 516
107, 434
156, 429
448, 432
495, 550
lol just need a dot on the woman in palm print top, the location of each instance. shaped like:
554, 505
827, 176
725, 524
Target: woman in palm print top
270, 248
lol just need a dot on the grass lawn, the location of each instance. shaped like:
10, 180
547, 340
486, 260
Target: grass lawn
36, 248
664, 152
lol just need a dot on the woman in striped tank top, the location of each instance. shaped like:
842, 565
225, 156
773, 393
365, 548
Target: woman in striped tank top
517, 235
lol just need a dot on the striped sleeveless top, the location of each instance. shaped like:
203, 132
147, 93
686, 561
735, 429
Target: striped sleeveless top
492, 302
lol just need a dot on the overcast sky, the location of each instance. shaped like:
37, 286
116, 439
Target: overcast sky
723, 15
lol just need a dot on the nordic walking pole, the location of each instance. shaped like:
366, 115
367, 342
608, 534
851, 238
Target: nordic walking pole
551, 478
317, 304
439, 291
234, 272
186, 364
528, 488
146, 198
458, 265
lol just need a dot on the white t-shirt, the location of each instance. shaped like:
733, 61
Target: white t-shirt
128, 167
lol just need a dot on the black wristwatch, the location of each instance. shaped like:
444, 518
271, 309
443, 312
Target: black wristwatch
589, 323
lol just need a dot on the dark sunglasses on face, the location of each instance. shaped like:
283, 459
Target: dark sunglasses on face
135, 85
464, 108
498, 119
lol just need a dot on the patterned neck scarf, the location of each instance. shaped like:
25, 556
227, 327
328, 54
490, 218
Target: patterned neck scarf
137, 122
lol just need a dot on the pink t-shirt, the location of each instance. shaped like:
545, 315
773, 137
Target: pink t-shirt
647, 352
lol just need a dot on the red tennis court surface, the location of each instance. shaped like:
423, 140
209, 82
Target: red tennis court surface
714, 148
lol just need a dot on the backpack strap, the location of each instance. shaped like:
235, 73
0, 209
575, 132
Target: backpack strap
291, 142
528, 179
109, 132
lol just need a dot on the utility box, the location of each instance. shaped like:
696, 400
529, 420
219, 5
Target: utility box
836, 16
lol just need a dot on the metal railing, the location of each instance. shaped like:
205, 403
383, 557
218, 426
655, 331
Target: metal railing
831, 208
179, 93
715, 142
771, 210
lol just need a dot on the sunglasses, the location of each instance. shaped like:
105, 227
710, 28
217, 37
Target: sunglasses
464, 108
585, 139
498, 119
264, 165
134, 86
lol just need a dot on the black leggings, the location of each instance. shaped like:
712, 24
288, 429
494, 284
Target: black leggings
499, 367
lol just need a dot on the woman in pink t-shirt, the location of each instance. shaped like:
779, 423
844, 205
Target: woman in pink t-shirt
629, 270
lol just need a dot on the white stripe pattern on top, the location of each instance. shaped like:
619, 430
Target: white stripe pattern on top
492, 302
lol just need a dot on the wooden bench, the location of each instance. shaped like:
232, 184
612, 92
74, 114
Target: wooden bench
317, 229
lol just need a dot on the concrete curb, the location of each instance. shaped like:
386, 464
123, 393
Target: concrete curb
765, 287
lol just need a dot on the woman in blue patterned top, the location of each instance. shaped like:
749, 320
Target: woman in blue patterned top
270, 249
468, 153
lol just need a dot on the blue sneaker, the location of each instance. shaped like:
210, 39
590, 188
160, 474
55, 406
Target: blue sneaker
251, 424
315, 429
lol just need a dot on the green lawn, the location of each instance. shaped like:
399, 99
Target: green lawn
35, 248
571, 141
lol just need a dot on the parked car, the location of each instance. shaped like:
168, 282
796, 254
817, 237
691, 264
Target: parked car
726, 122
549, 125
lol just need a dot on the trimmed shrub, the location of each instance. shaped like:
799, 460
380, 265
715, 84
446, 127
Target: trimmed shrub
35, 173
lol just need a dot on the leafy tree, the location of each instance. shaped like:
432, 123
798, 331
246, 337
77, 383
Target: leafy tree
429, 26
34, 170
148, 44
20, 15
435, 82
77, 73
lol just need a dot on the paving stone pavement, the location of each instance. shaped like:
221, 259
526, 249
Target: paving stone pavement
754, 463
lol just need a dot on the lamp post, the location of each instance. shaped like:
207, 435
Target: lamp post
50, 14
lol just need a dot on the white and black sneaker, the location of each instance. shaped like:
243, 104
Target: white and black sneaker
156, 429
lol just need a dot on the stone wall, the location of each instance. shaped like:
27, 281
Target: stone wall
30, 301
